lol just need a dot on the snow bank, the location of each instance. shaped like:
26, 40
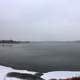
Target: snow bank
4, 70
60, 75
46, 76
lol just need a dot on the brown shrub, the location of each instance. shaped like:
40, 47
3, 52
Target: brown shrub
74, 78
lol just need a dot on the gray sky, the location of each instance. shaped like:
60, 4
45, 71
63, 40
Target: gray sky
43, 20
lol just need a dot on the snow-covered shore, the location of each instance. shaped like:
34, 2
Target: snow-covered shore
60, 75
4, 70
46, 76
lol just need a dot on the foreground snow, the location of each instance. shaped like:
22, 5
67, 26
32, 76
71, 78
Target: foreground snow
46, 76
61, 75
4, 70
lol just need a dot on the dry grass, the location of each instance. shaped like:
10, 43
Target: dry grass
74, 78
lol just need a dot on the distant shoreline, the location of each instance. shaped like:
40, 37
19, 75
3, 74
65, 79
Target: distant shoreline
18, 42
12, 42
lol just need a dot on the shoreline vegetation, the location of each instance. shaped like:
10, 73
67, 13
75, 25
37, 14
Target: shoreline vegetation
12, 42
18, 42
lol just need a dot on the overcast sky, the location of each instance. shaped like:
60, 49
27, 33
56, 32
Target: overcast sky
40, 20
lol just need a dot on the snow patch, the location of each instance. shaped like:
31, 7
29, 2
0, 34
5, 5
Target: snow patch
4, 70
46, 76
60, 75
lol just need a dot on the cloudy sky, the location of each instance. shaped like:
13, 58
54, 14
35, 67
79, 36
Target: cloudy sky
40, 20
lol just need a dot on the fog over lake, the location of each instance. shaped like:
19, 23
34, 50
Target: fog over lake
40, 20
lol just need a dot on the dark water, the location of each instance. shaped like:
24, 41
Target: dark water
41, 56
